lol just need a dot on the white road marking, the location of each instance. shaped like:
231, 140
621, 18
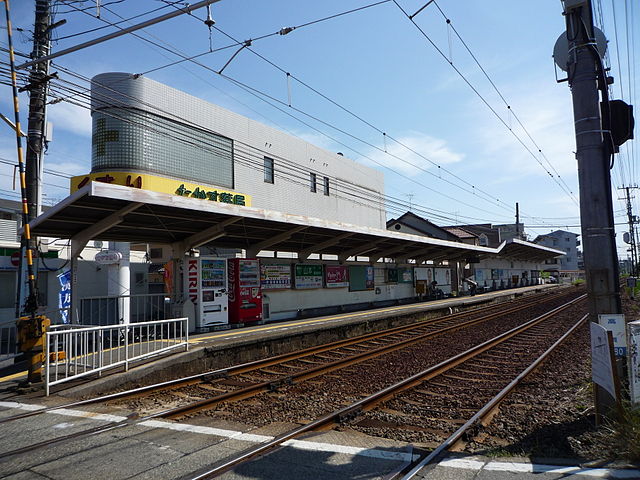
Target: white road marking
218, 432
515, 467
365, 452
462, 463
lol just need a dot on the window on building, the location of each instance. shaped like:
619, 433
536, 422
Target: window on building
326, 186
268, 170
313, 183
483, 240
8, 286
155, 252
568, 260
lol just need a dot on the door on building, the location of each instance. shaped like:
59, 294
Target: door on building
214, 303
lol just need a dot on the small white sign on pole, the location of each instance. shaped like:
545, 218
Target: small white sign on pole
617, 326
634, 361
601, 368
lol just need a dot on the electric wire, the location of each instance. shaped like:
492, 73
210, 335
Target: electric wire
244, 86
481, 97
507, 104
381, 2
368, 157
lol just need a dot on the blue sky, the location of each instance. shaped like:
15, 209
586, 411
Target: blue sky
379, 66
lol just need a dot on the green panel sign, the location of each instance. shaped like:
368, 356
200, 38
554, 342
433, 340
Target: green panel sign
308, 276
308, 270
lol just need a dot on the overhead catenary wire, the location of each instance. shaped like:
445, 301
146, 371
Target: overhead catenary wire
482, 98
306, 173
450, 218
256, 159
385, 135
504, 100
474, 191
369, 158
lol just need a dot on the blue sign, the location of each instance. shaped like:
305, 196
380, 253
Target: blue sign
64, 300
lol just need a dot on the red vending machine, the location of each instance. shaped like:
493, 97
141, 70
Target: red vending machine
245, 294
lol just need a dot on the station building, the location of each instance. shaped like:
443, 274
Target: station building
210, 191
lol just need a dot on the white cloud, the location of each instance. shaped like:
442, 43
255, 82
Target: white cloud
70, 117
545, 110
68, 167
411, 159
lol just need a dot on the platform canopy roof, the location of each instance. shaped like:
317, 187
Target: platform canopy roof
117, 213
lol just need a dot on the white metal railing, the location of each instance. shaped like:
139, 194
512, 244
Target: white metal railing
76, 351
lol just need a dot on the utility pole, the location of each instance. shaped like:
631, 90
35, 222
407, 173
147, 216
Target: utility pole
593, 152
518, 220
38, 80
37, 88
632, 235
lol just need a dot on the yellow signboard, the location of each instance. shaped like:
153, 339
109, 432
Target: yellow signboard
163, 185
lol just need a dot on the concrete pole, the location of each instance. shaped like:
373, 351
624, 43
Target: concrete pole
119, 281
632, 239
593, 155
37, 108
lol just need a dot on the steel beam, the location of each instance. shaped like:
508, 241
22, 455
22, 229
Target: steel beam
360, 250
210, 234
304, 254
254, 249
81, 238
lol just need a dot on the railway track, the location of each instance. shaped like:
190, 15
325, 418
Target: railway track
248, 379
260, 375
449, 399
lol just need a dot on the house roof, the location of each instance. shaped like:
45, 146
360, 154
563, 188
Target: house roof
423, 226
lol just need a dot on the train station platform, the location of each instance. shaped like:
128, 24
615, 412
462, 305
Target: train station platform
215, 350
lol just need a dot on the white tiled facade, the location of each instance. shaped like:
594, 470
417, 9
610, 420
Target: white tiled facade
294, 159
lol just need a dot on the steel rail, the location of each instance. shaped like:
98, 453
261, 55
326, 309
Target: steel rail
371, 401
487, 410
325, 368
274, 360
133, 419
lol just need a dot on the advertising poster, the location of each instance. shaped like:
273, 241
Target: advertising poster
308, 276
249, 273
213, 273
442, 276
405, 275
392, 275
275, 277
336, 276
370, 277
64, 299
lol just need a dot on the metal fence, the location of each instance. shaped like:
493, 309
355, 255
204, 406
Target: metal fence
76, 351
108, 310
